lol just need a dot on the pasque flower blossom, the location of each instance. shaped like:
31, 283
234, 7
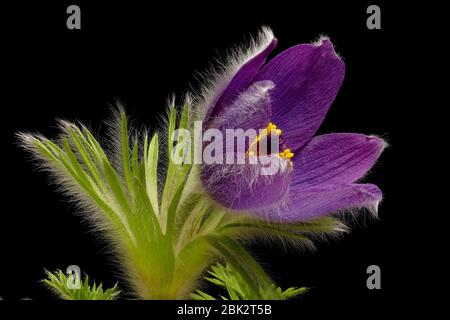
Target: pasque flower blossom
164, 230
289, 96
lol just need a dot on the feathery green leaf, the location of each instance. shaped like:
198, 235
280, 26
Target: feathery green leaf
68, 287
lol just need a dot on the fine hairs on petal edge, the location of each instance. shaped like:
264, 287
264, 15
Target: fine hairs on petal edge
319, 41
225, 68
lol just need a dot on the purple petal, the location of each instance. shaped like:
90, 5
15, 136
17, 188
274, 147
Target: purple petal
335, 158
250, 110
243, 187
314, 202
307, 78
243, 77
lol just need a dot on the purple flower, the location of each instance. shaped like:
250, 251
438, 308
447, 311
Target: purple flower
289, 96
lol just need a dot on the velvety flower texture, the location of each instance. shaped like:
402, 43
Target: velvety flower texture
291, 93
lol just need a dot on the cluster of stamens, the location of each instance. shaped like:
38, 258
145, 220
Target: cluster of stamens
271, 129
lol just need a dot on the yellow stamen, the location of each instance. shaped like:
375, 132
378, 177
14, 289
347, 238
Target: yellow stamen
288, 154
270, 129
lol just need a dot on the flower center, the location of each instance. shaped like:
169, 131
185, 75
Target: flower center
262, 143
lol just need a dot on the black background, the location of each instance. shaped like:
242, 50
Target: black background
141, 55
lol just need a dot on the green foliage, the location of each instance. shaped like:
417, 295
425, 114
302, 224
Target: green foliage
165, 231
68, 287
237, 288
120, 195
300, 234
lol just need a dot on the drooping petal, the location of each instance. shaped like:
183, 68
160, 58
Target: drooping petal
242, 77
307, 78
314, 202
335, 158
244, 187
